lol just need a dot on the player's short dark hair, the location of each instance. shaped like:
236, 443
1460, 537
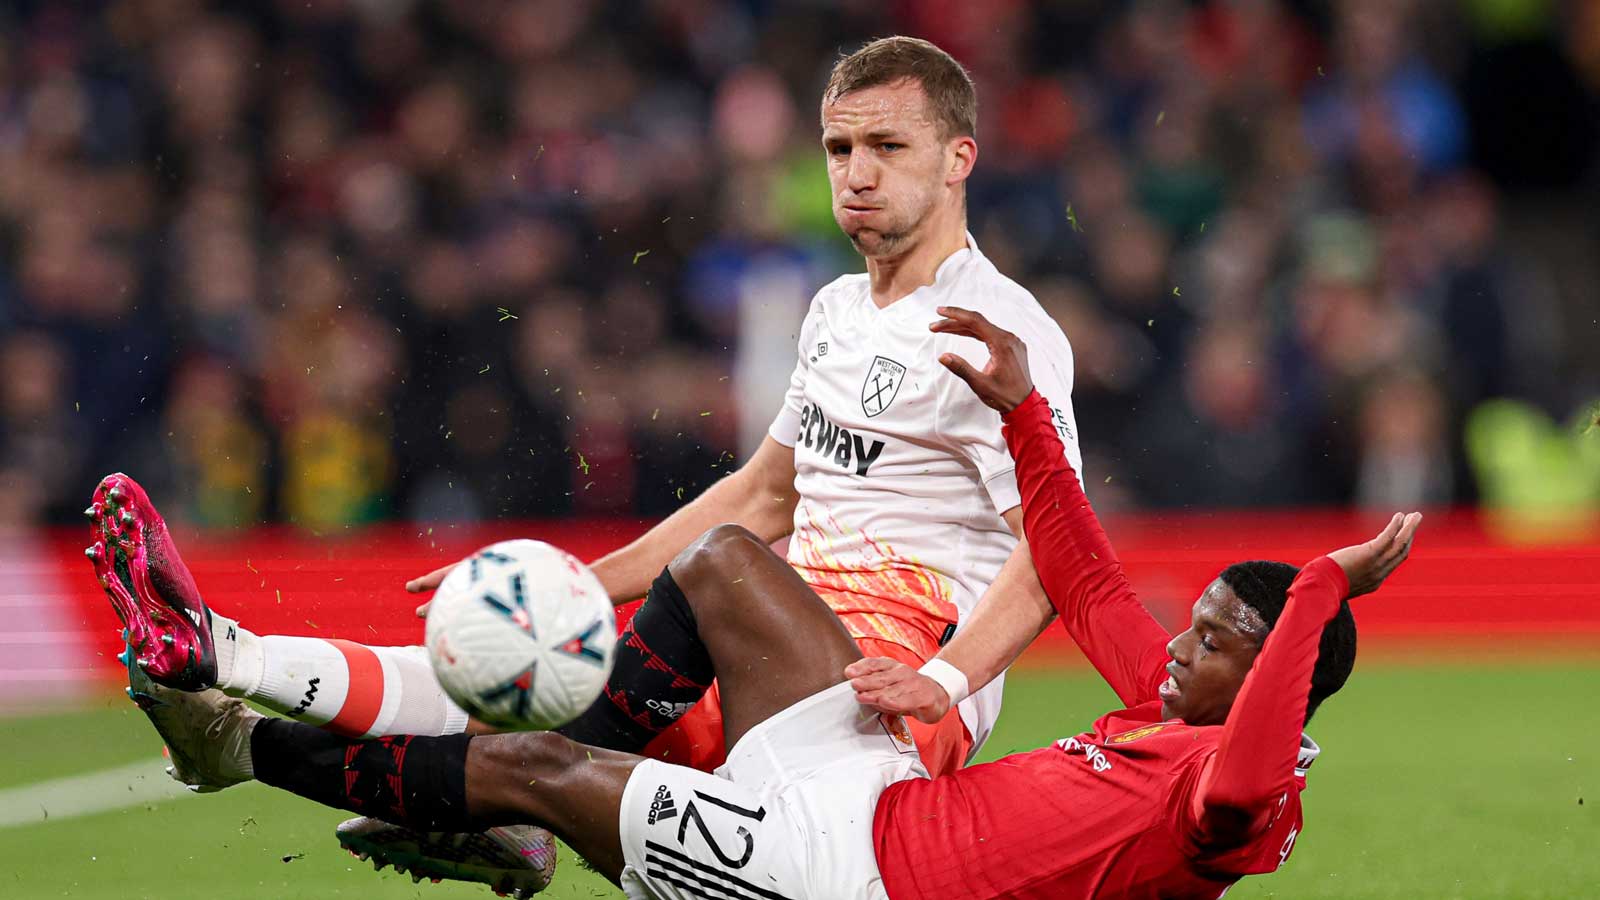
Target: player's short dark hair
952, 100
1263, 586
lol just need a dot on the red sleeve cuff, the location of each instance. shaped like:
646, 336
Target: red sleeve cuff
1024, 409
1325, 567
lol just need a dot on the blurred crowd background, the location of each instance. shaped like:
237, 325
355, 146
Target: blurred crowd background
340, 261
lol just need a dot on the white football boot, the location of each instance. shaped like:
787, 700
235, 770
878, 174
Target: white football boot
207, 733
511, 859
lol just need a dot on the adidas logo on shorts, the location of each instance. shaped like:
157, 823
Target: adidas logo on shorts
662, 806
673, 711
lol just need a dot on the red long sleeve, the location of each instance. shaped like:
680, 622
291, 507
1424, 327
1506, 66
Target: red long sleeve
1080, 572
1139, 805
1255, 759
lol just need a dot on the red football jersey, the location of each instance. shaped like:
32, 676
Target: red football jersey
1121, 810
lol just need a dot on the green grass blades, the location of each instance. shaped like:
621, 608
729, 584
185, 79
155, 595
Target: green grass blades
1451, 782
1435, 782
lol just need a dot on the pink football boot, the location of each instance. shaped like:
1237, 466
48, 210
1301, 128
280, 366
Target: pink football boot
167, 625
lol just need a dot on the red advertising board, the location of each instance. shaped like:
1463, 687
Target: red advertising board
1465, 586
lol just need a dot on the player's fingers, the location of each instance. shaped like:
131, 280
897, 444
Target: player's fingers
1400, 541
960, 368
422, 611
869, 665
978, 324
959, 313
429, 581
1385, 537
877, 681
874, 674
1395, 551
1407, 534
953, 326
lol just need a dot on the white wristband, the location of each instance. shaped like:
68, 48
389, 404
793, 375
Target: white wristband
952, 679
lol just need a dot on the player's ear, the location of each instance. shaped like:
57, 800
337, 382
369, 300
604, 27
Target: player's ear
962, 155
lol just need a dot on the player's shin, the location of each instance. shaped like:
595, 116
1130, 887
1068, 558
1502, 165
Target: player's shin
417, 781
452, 784
662, 669
348, 688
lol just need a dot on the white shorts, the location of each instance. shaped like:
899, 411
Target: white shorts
787, 817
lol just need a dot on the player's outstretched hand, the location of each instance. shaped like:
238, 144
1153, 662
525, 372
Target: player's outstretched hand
890, 686
1368, 564
1004, 383
427, 583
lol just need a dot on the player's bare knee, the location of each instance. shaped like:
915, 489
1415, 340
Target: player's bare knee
715, 558
532, 776
527, 755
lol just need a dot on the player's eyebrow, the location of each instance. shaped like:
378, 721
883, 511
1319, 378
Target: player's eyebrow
1211, 623
877, 134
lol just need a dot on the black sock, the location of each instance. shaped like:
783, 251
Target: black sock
417, 781
662, 669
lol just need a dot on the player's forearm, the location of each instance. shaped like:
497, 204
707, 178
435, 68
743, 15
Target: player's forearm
1011, 613
1075, 562
1261, 740
763, 505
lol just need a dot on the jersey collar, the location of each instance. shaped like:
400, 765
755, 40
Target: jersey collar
946, 269
969, 251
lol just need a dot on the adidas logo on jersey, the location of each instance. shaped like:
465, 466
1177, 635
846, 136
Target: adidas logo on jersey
669, 709
662, 806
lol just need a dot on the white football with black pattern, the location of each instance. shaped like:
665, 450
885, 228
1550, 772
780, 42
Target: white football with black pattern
522, 635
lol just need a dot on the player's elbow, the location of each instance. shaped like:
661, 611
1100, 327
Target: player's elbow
769, 511
1094, 585
765, 490
1229, 823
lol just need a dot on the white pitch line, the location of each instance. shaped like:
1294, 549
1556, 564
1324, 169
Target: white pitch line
84, 795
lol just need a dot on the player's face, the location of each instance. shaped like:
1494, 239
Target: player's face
1211, 659
886, 164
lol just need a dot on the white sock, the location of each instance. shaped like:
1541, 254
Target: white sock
349, 688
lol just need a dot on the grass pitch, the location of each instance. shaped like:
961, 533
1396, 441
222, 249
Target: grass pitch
1448, 781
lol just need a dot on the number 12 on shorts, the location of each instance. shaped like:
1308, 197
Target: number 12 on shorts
691, 813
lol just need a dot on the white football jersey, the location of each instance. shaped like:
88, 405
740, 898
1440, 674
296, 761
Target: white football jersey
902, 471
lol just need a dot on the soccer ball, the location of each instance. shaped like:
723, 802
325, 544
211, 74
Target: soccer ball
522, 635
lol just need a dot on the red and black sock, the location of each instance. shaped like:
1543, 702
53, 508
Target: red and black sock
418, 781
662, 669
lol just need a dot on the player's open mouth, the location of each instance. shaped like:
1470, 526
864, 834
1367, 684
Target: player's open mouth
1168, 691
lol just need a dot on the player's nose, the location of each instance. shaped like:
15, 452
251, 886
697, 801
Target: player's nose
1178, 649
862, 173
